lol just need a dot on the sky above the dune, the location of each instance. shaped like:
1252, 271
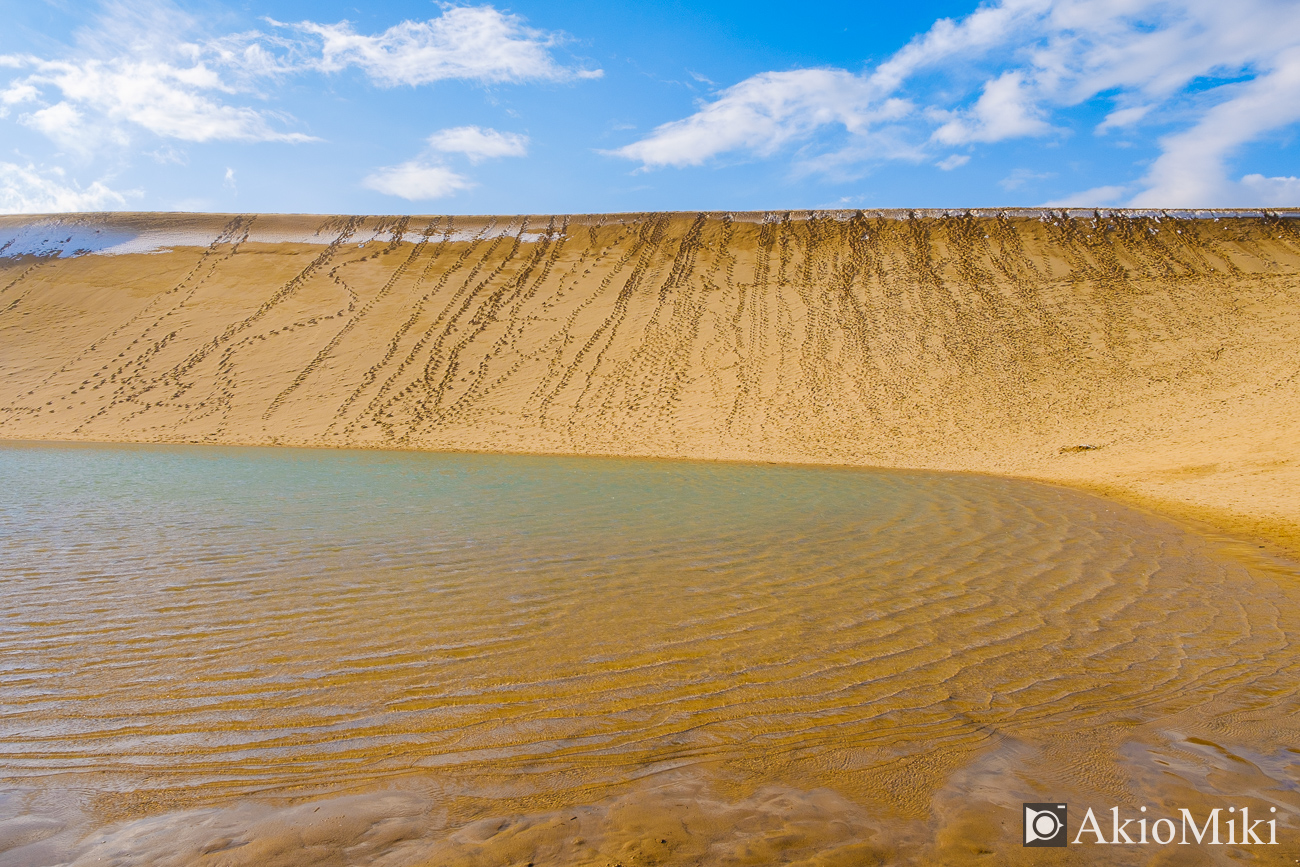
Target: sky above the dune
585, 106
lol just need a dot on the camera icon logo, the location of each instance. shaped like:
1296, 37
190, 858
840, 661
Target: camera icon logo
1045, 825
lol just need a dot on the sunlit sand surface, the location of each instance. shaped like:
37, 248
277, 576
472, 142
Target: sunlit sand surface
256, 656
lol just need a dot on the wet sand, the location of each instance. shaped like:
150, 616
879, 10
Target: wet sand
1027, 643
1001, 342
278, 656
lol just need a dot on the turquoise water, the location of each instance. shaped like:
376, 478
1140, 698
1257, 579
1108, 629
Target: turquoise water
224, 630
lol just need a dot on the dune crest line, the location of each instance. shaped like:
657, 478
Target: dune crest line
1150, 353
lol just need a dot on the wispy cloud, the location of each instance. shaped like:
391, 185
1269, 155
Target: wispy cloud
105, 101
476, 43
30, 190
134, 71
1192, 168
1277, 192
479, 144
149, 68
1020, 177
417, 179
1096, 197
1004, 110
149, 72
428, 177
1010, 70
1122, 118
766, 112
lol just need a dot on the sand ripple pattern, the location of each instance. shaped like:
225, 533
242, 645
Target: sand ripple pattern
192, 624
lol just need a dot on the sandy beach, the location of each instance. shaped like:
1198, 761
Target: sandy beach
328, 656
441, 650
1146, 355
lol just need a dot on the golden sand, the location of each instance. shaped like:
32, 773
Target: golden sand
1147, 355
301, 657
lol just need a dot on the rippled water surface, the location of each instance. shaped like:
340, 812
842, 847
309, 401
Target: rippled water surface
215, 655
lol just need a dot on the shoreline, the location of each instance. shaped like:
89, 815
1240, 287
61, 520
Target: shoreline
493, 639
1278, 538
1150, 357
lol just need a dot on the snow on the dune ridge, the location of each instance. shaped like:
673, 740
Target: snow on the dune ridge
64, 239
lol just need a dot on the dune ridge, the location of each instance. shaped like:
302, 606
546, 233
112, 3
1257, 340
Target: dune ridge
1151, 355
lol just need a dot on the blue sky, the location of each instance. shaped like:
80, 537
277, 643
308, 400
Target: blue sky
585, 106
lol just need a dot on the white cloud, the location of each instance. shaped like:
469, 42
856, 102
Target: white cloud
166, 154
988, 27
417, 179
1095, 198
1121, 118
1004, 110
1020, 177
953, 162
479, 144
769, 110
17, 94
1006, 70
61, 122
477, 43
425, 177
1192, 170
1274, 192
133, 71
765, 112
28, 190
105, 100
229, 181
146, 68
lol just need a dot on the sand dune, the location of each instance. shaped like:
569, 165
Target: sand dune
1153, 355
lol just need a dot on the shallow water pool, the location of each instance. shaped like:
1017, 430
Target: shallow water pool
483, 659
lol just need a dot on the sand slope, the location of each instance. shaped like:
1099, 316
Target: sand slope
989, 341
